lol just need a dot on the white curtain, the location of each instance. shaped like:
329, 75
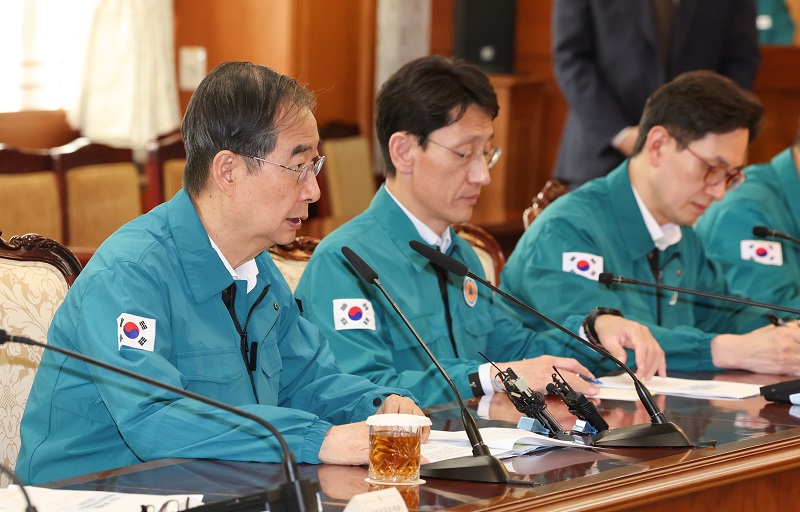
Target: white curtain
129, 91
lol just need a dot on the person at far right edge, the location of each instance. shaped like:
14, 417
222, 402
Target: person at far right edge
764, 269
637, 223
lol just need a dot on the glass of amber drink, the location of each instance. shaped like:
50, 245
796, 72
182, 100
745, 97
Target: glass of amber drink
394, 448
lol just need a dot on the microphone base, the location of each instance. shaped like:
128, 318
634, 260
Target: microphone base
479, 468
652, 435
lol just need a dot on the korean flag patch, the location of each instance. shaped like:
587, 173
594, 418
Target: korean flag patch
766, 253
353, 314
584, 264
136, 332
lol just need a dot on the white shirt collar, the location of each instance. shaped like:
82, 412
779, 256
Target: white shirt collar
247, 271
663, 236
442, 241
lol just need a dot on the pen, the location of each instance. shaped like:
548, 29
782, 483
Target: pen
775, 320
589, 379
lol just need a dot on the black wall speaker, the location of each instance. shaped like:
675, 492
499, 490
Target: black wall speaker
484, 33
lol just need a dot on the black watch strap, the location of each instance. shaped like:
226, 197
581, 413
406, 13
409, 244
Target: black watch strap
475, 384
588, 322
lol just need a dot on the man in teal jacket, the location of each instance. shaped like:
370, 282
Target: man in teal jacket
764, 270
434, 120
187, 295
636, 223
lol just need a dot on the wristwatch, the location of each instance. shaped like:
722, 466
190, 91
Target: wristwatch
588, 322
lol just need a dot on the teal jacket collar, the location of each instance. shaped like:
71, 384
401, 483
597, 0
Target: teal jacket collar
394, 220
202, 267
630, 223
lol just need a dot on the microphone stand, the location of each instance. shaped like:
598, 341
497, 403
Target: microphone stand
660, 433
28, 505
608, 278
482, 466
294, 495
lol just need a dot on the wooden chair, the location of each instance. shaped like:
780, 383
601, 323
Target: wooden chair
30, 193
487, 248
349, 175
166, 158
102, 190
552, 190
35, 273
292, 259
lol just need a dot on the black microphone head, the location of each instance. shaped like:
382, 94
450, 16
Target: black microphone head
606, 277
761, 231
360, 265
437, 258
551, 389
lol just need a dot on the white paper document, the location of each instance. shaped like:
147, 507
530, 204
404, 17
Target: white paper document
502, 443
62, 500
717, 389
628, 395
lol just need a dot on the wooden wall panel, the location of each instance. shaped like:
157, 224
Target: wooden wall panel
249, 30
778, 87
328, 45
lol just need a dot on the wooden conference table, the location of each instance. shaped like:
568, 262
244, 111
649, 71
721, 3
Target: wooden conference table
755, 465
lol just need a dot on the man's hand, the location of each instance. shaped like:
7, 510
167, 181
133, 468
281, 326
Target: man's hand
769, 349
395, 404
617, 333
349, 444
538, 371
346, 444
627, 142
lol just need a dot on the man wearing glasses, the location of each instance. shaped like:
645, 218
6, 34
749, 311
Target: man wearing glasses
434, 123
637, 223
187, 294
767, 270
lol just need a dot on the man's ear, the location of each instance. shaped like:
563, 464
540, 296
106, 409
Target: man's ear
658, 138
223, 175
403, 149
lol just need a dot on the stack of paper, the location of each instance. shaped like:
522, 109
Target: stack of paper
502, 443
716, 389
61, 500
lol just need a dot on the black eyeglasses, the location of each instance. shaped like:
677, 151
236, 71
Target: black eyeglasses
303, 171
491, 157
716, 174
167, 506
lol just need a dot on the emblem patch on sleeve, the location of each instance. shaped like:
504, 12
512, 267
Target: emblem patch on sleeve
353, 314
584, 264
136, 332
760, 251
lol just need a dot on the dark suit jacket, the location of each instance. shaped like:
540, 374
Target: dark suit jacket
607, 63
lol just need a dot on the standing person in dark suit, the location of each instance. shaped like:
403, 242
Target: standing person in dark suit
610, 56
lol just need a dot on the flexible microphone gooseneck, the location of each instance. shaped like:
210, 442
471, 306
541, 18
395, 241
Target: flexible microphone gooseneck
764, 232
294, 495
28, 505
609, 278
660, 433
482, 466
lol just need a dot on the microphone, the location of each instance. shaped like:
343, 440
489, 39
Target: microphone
482, 466
660, 433
609, 278
764, 232
294, 495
